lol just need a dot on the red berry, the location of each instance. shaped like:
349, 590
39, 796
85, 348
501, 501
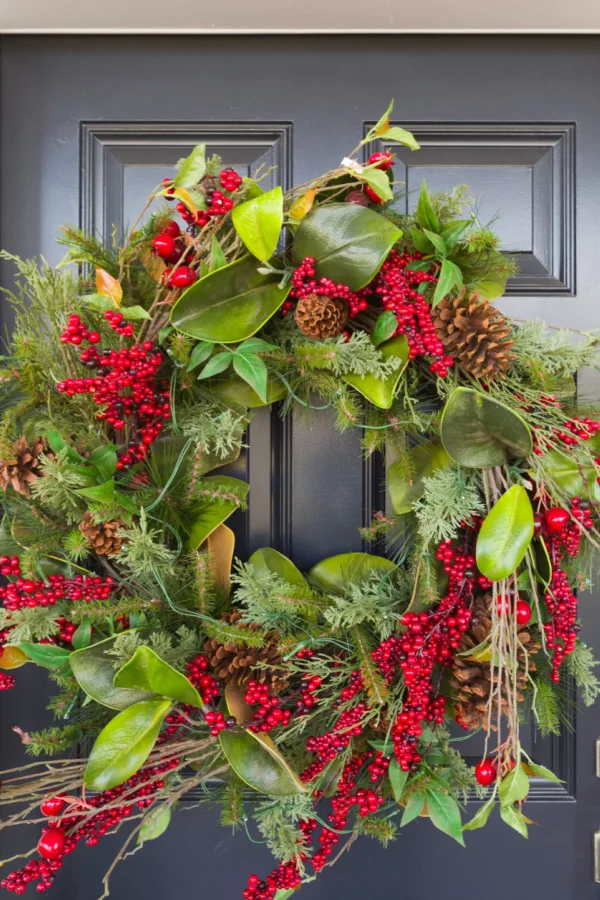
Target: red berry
523, 612
485, 771
172, 228
556, 519
385, 160
373, 197
538, 524
502, 605
182, 277
53, 806
357, 197
163, 245
51, 843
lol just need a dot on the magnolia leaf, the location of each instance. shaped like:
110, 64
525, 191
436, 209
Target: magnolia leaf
94, 670
481, 816
398, 779
381, 391
217, 257
107, 286
47, 655
12, 657
268, 560
253, 370
399, 136
543, 563
220, 545
146, 671
124, 745
238, 392
514, 787
479, 432
426, 459
444, 812
450, 277
425, 212
258, 222
384, 328
303, 205
505, 535
336, 572
574, 476
415, 806
378, 181
514, 818
217, 364
229, 305
207, 516
348, 242
82, 636
155, 823
192, 169
199, 354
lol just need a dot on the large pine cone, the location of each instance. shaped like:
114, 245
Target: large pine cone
475, 334
103, 538
470, 679
21, 468
321, 317
237, 663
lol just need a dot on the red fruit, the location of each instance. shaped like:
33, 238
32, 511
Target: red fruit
485, 771
53, 806
373, 197
163, 245
385, 160
502, 605
182, 277
556, 519
172, 228
538, 524
357, 197
523, 612
52, 843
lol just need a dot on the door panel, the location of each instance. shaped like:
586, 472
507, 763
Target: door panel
89, 124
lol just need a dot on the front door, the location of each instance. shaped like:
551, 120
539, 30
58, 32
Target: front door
88, 125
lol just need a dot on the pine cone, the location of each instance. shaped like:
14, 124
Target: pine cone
475, 334
321, 317
21, 468
235, 663
470, 679
103, 538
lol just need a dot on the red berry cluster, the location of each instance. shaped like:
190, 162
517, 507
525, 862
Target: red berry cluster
305, 282
205, 683
230, 180
311, 684
285, 877
217, 722
7, 681
9, 566
27, 593
268, 714
169, 244
379, 766
327, 746
115, 321
126, 385
397, 288
76, 332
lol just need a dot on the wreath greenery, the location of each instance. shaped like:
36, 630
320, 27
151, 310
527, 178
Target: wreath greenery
313, 707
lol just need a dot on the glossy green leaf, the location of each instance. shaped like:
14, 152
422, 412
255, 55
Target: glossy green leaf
398, 779
47, 655
425, 212
479, 432
268, 560
382, 124
216, 364
450, 277
514, 818
421, 241
104, 459
490, 286
192, 169
94, 669
336, 572
258, 222
437, 240
348, 242
254, 371
543, 772
217, 257
505, 535
58, 444
414, 807
199, 354
123, 746
385, 326
451, 231
399, 136
514, 786
229, 305
82, 636
285, 895
381, 391
234, 390
444, 813
256, 767
426, 458
572, 475
379, 182
205, 517
543, 563
254, 345
102, 493
102, 303
146, 671
252, 188
480, 818
155, 823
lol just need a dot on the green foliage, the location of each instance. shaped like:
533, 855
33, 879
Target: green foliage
358, 356
52, 741
375, 601
278, 823
581, 664
31, 624
144, 551
58, 488
541, 352
273, 603
450, 496
546, 707
232, 804
382, 830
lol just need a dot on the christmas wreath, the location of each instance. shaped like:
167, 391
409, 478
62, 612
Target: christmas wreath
312, 706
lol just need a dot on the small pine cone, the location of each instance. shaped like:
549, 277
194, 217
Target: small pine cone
471, 680
104, 538
238, 664
475, 334
21, 468
321, 317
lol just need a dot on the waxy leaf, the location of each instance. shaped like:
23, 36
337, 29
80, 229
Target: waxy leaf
217, 257
216, 364
381, 391
82, 636
205, 517
252, 369
12, 657
398, 779
505, 535
124, 745
155, 823
235, 390
399, 136
94, 669
192, 168
385, 326
426, 216
258, 222
303, 205
450, 277
514, 818
348, 242
229, 305
543, 563
543, 772
481, 816
221, 544
444, 812
199, 354
335, 572
572, 475
378, 181
479, 432
514, 787
268, 560
107, 286
426, 458
47, 655
415, 806
146, 671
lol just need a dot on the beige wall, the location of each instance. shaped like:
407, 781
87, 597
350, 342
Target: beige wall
299, 15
